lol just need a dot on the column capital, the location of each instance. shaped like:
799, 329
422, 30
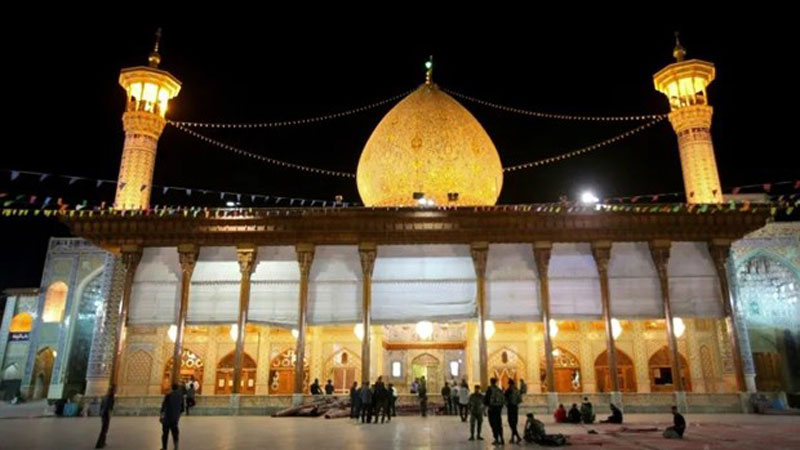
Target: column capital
305, 256
659, 251
720, 251
187, 256
479, 252
131, 255
367, 252
246, 255
541, 253
601, 251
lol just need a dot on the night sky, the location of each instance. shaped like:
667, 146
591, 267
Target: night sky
280, 68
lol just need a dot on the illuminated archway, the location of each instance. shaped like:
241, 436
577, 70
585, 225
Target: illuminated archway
428, 366
505, 364
626, 376
660, 369
566, 371
191, 365
281, 373
55, 301
225, 375
21, 323
342, 368
42, 370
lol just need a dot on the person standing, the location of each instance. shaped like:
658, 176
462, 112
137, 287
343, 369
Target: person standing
171, 409
190, 397
463, 400
392, 401
513, 399
587, 411
446, 398
475, 404
495, 400
106, 406
422, 391
329, 388
523, 387
381, 400
454, 393
354, 401
366, 402
678, 425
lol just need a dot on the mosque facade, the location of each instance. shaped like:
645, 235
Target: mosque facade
429, 278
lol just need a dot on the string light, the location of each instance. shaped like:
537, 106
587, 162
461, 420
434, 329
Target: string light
555, 116
287, 123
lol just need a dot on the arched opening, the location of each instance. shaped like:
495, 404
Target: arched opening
769, 295
281, 373
342, 368
42, 370
505, 364
661, 378
626, 376
191, 366
21, 323
428, 366
566, 371
225, 375
10, 381
55, 301
89, 297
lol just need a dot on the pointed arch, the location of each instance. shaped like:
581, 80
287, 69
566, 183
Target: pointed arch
626, 373
566, 371
506, 364
223, 384
191, 366
281, 373
342, 367
660, 369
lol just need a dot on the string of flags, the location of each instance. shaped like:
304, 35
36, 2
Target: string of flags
544, 115
765, 188
42, 201
774, 208
286, 123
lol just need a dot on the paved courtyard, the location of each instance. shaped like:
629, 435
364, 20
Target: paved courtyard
247, 432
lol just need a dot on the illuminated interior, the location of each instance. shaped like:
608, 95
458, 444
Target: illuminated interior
55, 302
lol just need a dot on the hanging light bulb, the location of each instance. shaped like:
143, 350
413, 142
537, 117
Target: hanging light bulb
358, 330
488, 328
616, 328
678, 326
553, 328
424, 329
172, 332
234, 332
295, 333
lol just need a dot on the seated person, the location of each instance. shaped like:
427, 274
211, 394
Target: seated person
615, 417
574, 416
561, 414
587, 411
534, 432
678, 425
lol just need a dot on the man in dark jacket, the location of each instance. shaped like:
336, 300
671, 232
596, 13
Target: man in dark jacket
423, 397
513, 400
171, 410
678, 425
354, 401
446, 398
329, 389
574, 415
615, 417
366, 402
495, 399
381, 400
106, 406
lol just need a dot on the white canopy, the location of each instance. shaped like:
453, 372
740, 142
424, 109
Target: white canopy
512, 284
155, 294
574, 282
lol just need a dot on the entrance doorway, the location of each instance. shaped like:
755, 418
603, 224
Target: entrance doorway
191, 365
626, 377
566, 372
281, 373
225, 375
42, 370
661, 378
427, 365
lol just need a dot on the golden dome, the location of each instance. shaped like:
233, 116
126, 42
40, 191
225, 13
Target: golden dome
429, 143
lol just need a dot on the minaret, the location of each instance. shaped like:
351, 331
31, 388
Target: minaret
148, 91
684, 83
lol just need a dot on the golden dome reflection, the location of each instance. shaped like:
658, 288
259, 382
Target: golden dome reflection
429, 143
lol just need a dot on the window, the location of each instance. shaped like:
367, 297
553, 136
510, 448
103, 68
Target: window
397, 369
21, 323
54, 302
662, 376
454, 368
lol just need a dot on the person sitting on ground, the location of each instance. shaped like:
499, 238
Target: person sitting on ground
678, 425
587, 411
574, 416
315, 389
615, 417
329, 388
561, 414
534, 432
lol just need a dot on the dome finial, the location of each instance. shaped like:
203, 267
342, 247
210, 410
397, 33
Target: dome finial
678, 52
429, 71
155, 59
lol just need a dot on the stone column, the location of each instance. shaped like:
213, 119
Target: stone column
131, 256
367, 251
480, 251
601, 250
8, 314
246, 254
541, 253
659, 250
305, 256
720, 249
187, 254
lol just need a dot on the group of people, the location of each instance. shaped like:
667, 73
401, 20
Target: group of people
456, 399
377, 400
317, 390
586, 415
